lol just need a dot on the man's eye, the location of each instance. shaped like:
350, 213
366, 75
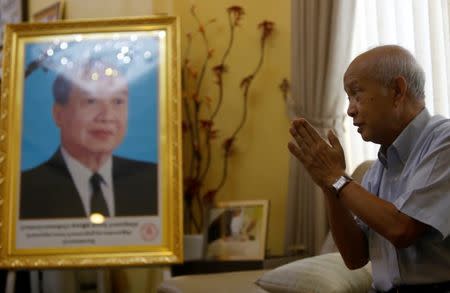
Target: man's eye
354, 97
118, 101
90, 101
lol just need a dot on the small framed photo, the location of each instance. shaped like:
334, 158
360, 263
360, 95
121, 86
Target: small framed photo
50, 13
90, 144
237, 230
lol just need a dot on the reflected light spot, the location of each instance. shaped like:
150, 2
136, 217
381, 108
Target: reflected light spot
126, 59
64, 60
98, 48
120, 56
94, 76
97, 218
124, 50
147, 54
78, 38
108, 71
50, 52
63, 46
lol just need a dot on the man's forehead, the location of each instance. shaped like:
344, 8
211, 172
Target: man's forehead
351, 77
359, 68
99, 89
102, 87
96, 76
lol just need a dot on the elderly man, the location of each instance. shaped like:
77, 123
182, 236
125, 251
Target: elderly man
83, 177
398, 218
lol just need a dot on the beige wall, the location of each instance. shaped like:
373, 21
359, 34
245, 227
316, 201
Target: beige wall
96, 8
259, 168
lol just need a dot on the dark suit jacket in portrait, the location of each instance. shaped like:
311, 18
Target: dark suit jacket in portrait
48, 190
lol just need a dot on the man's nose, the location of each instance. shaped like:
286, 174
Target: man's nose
351, 109
106, 110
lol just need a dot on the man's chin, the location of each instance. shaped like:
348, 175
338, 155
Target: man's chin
105, 146
101, 151
369, 138
364, 136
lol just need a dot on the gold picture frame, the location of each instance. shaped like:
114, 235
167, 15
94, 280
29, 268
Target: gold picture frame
51, 13
41, 227
237, 230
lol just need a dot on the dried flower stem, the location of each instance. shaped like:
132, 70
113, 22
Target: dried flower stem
245, 85
232, 24
193, 127
202, 132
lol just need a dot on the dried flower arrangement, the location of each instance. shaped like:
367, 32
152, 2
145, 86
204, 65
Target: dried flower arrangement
199, 128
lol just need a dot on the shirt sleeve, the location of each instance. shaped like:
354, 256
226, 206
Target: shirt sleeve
427, 198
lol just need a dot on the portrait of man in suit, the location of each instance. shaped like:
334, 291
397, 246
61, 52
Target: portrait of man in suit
83, 177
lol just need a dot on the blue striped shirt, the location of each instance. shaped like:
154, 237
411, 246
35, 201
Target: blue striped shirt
414, 175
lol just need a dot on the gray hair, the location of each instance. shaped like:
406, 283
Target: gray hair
399, 62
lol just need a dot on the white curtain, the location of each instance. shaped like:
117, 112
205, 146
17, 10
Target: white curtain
420, 26
321, 47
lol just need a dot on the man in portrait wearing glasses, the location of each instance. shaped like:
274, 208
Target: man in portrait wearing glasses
83, 177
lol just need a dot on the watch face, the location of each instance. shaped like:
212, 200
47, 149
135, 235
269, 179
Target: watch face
340, 183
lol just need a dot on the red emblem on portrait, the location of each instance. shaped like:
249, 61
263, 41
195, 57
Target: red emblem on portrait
149, 231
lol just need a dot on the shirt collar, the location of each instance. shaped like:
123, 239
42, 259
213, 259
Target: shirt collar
79, 170
404, 143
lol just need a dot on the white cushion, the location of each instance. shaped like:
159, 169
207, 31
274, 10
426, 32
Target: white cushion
323, 273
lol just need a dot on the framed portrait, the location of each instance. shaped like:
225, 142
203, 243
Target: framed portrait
90, 144
50, 13
237, 230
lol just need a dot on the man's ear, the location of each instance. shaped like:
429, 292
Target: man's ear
57, 112
400, 87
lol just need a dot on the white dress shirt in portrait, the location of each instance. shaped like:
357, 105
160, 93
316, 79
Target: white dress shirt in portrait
81, 176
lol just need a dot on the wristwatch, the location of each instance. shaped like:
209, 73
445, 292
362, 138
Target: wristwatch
337, 186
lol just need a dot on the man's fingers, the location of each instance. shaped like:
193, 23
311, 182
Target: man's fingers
296, 151
294, 133
312, 131
302, 144
303, 135
334, 141
299, 136
336, 144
